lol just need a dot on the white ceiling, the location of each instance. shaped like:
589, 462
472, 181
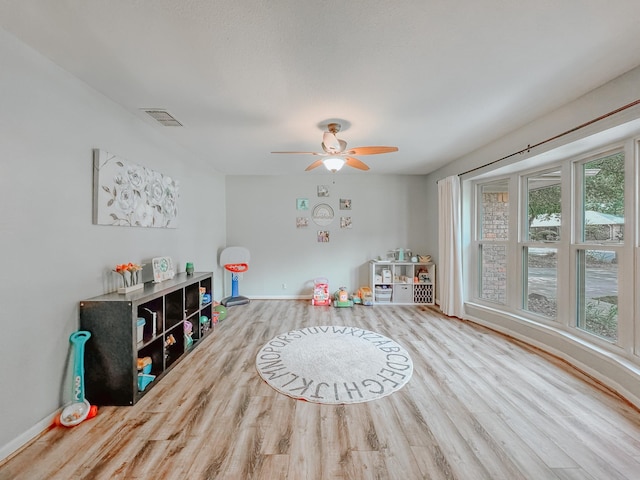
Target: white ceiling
436, 78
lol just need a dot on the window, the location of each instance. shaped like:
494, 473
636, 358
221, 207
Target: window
493, 233
543, 206
566, 260
600, 221
541, 222
603, 199
541, 281
598, 293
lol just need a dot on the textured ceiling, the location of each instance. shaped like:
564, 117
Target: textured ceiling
436, 78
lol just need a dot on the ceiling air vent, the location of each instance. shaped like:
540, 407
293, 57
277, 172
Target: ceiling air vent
163, 117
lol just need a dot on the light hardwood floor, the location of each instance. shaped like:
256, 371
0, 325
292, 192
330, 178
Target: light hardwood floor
479, 406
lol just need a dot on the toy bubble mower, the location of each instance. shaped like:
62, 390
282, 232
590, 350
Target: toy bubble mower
342, 299
79, 409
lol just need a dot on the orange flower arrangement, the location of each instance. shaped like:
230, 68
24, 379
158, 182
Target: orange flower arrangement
129, 272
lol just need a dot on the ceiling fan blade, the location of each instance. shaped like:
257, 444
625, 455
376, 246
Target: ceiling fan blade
315, 164
303, 153
355, 163
371, 150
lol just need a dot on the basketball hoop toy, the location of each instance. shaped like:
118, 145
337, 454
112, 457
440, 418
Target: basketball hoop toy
236, 269
234, 260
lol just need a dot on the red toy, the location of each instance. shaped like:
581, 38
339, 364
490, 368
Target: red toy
321, 294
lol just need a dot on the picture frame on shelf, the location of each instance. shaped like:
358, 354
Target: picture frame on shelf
163, 269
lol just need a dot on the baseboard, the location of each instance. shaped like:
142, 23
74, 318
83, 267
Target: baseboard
280, 297
14, 446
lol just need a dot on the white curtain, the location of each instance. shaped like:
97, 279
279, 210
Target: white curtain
450, 247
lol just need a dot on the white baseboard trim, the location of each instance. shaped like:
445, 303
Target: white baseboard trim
280, 297
17, 443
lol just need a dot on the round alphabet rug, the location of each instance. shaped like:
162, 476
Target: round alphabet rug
334, 364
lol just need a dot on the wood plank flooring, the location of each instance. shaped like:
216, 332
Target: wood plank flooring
479, 406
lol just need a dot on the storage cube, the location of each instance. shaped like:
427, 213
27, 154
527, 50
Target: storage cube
403, 293
383, 294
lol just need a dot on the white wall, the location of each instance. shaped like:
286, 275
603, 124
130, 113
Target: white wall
52, 255
387, 212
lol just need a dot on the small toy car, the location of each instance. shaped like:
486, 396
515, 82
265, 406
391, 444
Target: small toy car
366, 296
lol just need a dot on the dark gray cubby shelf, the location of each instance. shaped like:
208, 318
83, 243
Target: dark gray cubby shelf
111, 354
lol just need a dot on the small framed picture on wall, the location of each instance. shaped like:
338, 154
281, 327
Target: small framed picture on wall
302, 222
323, 191
302, 203
345, 204
323, 236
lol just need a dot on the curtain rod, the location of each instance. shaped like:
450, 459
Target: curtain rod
529, 147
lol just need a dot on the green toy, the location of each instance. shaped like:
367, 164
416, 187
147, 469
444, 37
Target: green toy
342, 298
222, 310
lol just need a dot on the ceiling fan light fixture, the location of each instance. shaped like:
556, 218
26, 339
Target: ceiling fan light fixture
333, 164
335, 155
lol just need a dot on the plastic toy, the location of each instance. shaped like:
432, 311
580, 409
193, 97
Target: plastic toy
204, 323
222, 311
236, 261
342, 299
366, 296
144, 373
321, 294
188, 334
79, 409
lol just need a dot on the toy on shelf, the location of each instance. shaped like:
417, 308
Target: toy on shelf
188, 333
205, 324
321, 294
144, 373
342, 299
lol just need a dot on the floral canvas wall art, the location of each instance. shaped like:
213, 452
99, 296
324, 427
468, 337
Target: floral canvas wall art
126, 194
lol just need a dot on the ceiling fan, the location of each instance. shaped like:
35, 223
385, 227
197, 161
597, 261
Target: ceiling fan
336, 155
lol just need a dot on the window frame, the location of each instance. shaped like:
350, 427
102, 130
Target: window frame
567, 311
525, 241
479, 241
